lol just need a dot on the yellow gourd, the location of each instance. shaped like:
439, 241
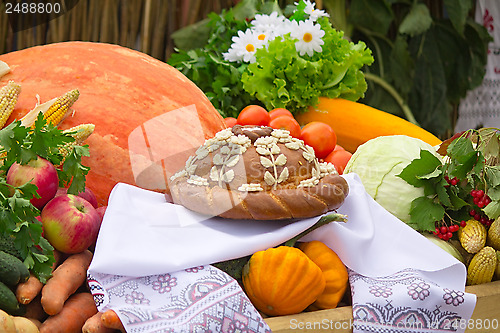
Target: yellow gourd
355, 123
282, 281
334, 271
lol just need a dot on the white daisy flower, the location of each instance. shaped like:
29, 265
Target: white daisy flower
269, 23
311, 10
309, 37
231, 55
244, 46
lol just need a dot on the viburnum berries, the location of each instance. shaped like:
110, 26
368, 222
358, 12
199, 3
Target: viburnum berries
481, 200
446, 232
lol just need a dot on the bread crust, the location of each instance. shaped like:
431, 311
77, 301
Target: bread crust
257, 173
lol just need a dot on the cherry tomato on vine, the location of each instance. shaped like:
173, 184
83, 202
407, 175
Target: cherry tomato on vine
339, 158
254, 115
287, 123
278, 112
320, 136
230, 121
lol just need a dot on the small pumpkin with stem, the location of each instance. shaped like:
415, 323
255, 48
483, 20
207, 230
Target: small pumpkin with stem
284, 280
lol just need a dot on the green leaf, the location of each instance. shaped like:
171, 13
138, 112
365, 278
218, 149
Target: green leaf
192, 36
492, 175
374, 15
492, 210
458, 11
420, 169
427, 99
456, 201
424, 212
442, 193
460, 149
417, 21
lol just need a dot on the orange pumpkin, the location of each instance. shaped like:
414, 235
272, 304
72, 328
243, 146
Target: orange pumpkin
130, 97
334, 272
282, 281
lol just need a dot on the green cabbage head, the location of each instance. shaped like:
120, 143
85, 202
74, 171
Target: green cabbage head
378, 162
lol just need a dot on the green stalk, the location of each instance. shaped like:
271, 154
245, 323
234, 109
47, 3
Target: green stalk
397, 97
321, 222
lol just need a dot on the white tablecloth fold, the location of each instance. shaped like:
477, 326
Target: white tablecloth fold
152, 266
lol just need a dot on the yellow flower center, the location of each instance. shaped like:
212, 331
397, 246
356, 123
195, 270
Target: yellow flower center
307, 37
261, 37
250, 48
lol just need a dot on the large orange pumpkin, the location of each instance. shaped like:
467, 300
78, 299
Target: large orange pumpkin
148, 116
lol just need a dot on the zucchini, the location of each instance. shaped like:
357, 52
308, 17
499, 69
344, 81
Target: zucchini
8, 300
9, 269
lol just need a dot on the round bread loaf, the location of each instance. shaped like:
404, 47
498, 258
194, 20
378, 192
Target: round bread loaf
253, 172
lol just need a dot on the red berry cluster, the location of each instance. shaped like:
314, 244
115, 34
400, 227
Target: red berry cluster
481, 200
446, 232
453, 181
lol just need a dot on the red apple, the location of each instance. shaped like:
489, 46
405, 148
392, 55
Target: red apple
87, 195
39, 172
70, 223
101, 211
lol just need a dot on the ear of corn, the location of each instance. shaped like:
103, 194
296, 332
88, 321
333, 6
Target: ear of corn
8, 100
54, 111
80, 132
493, 239
4, 68
482, 266
473, 236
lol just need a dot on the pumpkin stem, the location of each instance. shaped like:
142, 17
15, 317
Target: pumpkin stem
325, 219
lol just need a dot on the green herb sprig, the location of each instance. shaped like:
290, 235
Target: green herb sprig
469, 164
18, 217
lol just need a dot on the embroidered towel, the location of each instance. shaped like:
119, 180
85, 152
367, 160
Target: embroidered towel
398, 278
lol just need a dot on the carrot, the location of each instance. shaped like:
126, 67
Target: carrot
111, 320
27, 291
78, 308
95, 325
34, 310
65, 281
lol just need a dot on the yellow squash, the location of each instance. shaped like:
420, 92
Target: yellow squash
282, 281
334, 271
355, 123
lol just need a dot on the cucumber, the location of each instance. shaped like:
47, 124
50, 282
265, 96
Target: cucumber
9, 269
8, 300
7, 245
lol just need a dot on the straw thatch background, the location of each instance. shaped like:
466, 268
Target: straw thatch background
144, 25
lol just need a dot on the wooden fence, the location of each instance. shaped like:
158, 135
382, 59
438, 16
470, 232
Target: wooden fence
144, 25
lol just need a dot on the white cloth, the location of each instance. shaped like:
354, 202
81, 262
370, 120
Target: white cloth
481, 106
393, 269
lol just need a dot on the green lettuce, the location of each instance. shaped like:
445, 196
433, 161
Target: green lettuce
280, 78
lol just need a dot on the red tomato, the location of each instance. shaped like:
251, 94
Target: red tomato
286, 123
338, 147
320, 136
254, 115
278, 112
339, 159
230, 121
